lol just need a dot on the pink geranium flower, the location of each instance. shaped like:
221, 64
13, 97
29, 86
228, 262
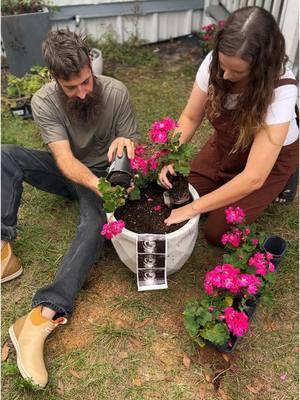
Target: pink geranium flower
112, 229
236, 321
139, 164
159, 130
234, 215
139, 149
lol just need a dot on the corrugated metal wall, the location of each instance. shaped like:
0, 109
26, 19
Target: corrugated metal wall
150, 20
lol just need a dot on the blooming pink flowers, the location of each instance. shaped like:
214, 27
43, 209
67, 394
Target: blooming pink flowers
234, 215
237, 321
228, 277
112, 229
159, 130
234, 238
262, 263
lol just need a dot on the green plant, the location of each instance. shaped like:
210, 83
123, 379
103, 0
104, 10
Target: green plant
9, 7
112, 196
20, 90
232, 288
132, 52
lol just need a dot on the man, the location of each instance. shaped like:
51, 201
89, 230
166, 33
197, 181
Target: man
85, 120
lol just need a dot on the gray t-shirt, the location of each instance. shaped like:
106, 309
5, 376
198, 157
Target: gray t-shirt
90, 145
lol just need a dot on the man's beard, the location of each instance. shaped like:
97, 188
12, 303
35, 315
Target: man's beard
86, 111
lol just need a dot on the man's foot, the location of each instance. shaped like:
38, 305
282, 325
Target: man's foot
10, 264
28, 335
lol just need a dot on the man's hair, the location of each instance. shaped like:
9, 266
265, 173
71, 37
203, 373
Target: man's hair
65, 53
252, 34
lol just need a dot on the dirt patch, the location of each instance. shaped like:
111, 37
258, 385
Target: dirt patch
177, 52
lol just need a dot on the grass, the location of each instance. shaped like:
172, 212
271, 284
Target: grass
125, 345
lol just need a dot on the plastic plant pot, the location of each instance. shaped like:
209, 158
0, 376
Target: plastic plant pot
120, 172
97, 61
180, 243
230, 346
277, 247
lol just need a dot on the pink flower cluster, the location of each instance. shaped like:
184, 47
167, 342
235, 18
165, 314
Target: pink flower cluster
159, 130
140, 164
112, 229
228, 277
211, 29
234, 215
237, 321
262, 263
234, 238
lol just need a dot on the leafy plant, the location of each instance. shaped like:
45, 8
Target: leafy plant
231, 288
24, 88
9, 7
112, 196
132, 52
164, 148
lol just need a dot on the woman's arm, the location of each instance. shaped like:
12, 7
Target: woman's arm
192, 114
262, 157
188, 122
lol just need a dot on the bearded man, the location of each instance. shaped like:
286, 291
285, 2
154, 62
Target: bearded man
85, 120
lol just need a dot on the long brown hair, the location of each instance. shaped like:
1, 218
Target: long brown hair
252, 34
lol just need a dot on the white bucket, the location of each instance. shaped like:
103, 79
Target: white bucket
97, 61
180, 243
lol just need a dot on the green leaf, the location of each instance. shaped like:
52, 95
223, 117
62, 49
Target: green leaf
217, 333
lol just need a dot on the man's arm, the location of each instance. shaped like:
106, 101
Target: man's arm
72, 168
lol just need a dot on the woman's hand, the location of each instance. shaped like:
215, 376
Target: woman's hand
163, 175
181, 214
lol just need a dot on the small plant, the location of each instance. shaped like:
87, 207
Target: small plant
9, 7
132, 52
22, 89
164, 149
207, 35
231, 288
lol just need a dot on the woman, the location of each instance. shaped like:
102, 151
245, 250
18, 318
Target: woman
249, 96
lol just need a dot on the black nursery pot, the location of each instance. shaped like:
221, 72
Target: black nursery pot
23, 111
120, 172
230, 346
277, 247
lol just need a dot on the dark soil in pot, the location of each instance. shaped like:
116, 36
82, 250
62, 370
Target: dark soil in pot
147, 215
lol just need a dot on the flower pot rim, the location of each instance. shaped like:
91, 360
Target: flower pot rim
171, 235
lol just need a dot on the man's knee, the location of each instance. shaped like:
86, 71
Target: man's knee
9, 149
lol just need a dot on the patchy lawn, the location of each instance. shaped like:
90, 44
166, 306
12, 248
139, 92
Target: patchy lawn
121, 344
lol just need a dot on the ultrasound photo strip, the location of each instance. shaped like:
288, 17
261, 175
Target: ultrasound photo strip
151, 262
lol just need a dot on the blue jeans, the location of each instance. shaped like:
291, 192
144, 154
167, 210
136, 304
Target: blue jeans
38, 168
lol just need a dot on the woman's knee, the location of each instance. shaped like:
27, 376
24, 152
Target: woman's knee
215, 227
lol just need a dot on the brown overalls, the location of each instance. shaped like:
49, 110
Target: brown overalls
214, 166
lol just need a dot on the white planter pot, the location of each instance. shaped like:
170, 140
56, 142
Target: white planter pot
97, 61
180, 243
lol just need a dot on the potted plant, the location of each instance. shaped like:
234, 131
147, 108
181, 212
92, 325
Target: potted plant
207, 35
145, 209
233, 289
20, 90
24, 26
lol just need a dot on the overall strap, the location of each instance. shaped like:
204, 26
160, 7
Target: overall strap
285, 81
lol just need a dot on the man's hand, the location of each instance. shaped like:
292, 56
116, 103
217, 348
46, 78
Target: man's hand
117, 147
163, 175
